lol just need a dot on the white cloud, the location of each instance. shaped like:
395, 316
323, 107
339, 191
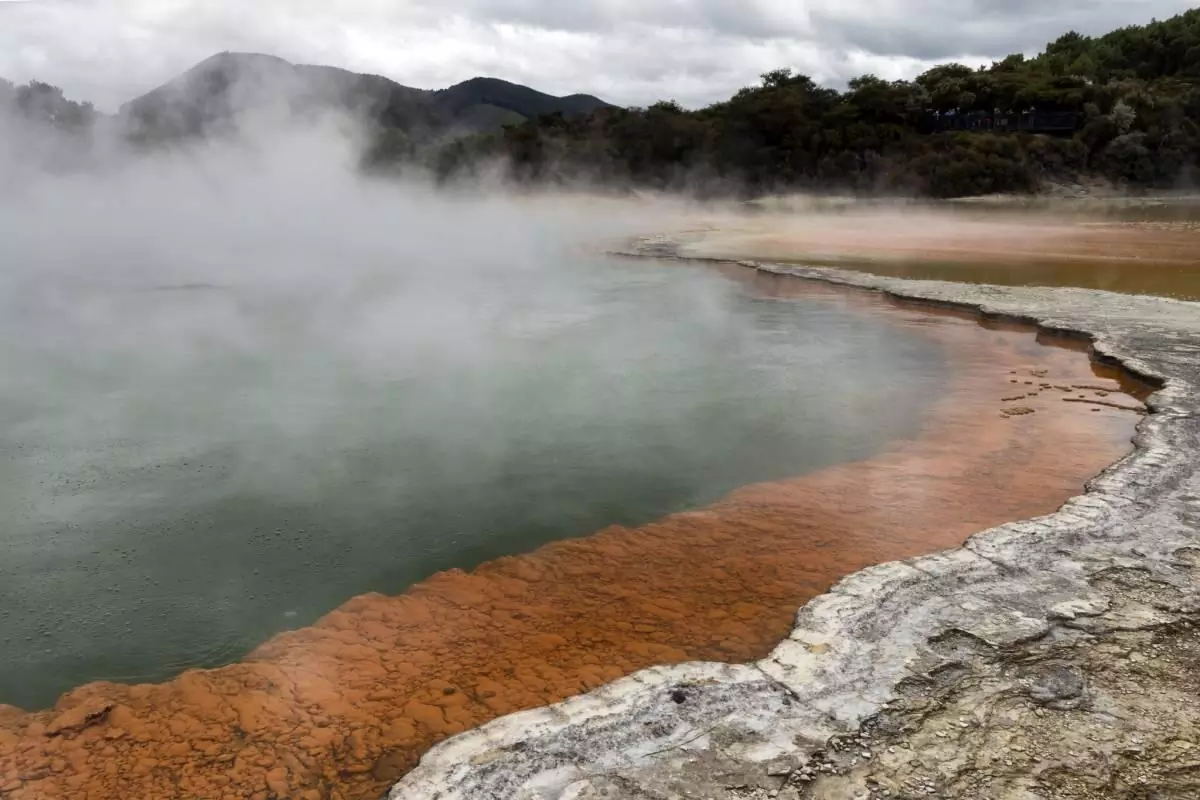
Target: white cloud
627, 51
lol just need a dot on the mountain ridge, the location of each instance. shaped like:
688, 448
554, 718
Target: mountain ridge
213, 94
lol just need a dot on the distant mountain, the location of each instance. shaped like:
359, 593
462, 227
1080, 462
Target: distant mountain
479, 97
220, 92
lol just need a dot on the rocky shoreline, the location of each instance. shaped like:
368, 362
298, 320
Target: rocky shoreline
1051, 657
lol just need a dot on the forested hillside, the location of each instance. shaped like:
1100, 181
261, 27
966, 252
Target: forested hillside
1124, 107
212, 97
1134, 96
230, 92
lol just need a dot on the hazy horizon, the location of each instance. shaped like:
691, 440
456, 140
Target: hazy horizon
696, 52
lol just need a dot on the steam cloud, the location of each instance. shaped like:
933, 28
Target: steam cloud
220, 350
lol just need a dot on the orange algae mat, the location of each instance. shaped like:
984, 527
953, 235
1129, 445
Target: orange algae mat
344, 708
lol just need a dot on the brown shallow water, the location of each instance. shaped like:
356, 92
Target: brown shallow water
1014, 248
342, 709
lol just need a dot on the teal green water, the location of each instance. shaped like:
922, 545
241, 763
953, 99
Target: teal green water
188, 468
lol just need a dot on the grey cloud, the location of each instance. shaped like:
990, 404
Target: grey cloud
937, 30
756, 19
627, 51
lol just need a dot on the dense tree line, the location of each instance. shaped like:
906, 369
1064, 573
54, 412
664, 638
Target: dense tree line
40, 129
44, 105
1136, 92
1134, 97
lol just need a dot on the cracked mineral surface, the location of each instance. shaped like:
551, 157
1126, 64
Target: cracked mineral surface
1054, 657
343, 709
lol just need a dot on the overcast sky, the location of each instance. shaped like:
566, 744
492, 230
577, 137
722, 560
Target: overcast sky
626, 51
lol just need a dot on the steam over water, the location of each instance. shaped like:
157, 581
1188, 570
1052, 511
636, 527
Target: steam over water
231, 398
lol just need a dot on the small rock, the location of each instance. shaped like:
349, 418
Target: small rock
1057, 685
